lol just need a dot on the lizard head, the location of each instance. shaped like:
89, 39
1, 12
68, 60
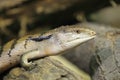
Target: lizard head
63, 38
69, 37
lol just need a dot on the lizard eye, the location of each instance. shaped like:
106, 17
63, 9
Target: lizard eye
77, 31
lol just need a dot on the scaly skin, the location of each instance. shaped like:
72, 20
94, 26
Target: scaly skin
52, 42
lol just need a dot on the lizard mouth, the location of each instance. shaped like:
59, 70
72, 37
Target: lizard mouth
75, 42
80, 40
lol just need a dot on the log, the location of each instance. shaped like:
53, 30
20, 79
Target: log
49, 68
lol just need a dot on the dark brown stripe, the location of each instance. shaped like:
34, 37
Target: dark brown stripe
12, 47
1, 50
26, 41
41, 38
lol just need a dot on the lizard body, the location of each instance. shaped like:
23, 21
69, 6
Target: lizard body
40, 45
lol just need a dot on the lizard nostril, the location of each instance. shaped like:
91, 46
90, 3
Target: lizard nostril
77, 31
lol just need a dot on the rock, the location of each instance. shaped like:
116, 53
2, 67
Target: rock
107, 57
105, 62
49, 68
